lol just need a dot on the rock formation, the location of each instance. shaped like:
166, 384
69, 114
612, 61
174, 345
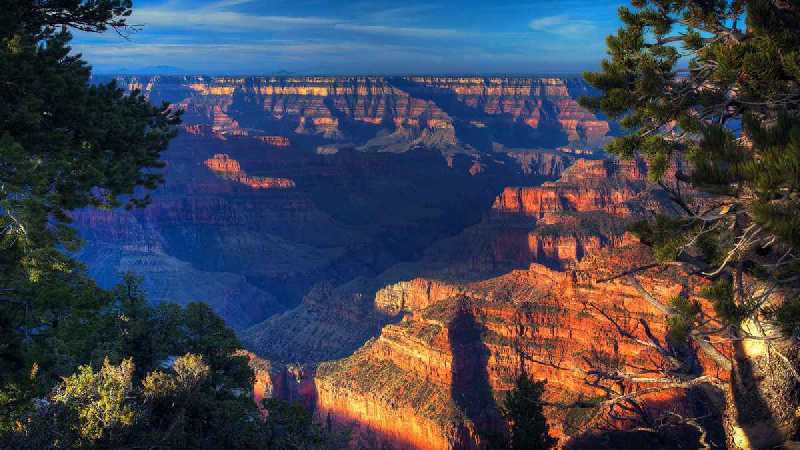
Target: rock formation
387, 114
275, 141
432, 380
230, 169
252, 226
453, 334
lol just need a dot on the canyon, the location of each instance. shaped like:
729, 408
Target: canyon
394, 251
421, 355
275, 184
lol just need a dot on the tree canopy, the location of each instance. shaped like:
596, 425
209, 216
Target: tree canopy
708, 93
81, 366
65, 144
524, 412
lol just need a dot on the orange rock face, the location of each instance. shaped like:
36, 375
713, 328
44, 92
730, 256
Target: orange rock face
413, 295
523, 99
587, 186
432, 380
587, 209
224, 125
368, 100
339, 108
476, 168
230, 169
196, 129
275, 141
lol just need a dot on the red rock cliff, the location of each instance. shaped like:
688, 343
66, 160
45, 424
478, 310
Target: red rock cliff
419, 382
229, 168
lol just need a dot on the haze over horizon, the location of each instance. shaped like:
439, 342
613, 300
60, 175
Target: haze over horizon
244, 37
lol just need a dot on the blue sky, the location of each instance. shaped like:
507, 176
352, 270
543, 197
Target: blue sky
358, 37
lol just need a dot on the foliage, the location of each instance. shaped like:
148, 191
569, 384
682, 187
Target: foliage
82, 367
683, 320
64, 145
523, 410
721, 294
149, 396
788, 315
291, 425
709, 92
101, 401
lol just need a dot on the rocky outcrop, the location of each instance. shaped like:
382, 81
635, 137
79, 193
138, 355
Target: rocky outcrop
587, 186
588, 208
224, 125
230, 169
542, 164
244, 223
431, 380
412, 295
275, 141
538, 103
329, 323
126, 242
453, 336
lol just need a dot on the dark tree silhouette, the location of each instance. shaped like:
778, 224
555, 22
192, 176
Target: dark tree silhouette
523, 410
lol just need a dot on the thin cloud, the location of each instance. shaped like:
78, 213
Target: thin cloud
562, 25
545, 23
219, 17
402, 14
248, 36
280, 49
222, 4
403, 31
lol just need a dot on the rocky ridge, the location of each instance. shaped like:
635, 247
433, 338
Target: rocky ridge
453, 114
230, 169
433, 379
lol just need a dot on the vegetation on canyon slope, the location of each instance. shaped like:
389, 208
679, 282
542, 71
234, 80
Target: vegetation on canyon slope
732, 118
523, 410
81, 366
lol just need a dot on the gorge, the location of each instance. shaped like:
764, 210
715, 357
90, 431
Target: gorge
394, 251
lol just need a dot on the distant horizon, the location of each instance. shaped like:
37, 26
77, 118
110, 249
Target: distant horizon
342, 75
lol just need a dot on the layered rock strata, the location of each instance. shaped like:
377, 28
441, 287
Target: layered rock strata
388, 114
230, 169
433, 380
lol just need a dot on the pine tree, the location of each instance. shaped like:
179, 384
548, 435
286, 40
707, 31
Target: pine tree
708, 93
81, 366
523, 410
64, 144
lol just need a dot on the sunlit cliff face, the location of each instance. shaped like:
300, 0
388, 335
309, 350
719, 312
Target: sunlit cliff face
229, 168
413, 382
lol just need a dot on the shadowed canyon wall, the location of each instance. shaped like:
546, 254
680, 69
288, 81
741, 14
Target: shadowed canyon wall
277, 184
445, 335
